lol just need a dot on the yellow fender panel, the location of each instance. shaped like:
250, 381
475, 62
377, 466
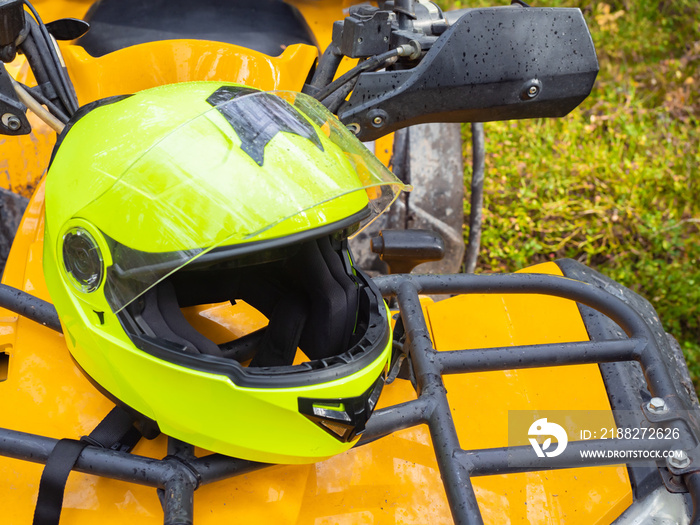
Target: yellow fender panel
394, 480
154, 64
23, 158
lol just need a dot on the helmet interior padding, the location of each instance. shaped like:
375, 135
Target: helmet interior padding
310, 297
163, 316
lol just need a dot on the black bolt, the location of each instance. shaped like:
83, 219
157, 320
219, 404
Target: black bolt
12, 122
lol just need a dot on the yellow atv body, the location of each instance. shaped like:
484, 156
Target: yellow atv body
393, 480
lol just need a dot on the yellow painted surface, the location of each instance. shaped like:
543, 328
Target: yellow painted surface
51, 10
384, 148
481, 402
23, 159
153, 64
320, 15
391, 481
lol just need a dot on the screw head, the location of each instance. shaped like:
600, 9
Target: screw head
378, 118
354, 128
532, 91
679, 460
11, 122
657, 405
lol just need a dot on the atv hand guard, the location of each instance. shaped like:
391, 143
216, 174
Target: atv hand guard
496, 63
179, 474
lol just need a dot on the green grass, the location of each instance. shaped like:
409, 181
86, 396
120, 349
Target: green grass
616, 184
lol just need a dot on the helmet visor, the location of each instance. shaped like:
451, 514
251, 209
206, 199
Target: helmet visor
257, 166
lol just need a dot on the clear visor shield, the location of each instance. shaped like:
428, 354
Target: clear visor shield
263, 165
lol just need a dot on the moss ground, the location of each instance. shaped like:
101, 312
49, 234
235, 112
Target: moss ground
616, 184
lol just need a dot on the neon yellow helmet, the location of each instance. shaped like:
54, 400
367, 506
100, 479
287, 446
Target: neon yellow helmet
202, 193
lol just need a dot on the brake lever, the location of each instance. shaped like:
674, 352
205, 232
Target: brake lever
369, 33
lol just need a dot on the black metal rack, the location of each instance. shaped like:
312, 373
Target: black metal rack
181, 473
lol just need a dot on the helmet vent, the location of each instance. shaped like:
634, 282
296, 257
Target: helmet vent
82, 260
345, 418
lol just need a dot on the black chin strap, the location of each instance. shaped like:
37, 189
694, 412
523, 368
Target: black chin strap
115, 432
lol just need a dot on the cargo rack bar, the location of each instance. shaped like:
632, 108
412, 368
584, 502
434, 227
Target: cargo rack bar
181, 473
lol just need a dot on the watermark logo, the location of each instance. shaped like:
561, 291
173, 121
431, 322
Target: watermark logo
594, 437
542, 427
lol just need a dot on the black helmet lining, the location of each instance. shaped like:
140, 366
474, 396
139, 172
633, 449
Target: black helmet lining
311, 300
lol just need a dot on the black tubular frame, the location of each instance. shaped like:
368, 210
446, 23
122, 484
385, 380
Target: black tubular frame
181, 473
